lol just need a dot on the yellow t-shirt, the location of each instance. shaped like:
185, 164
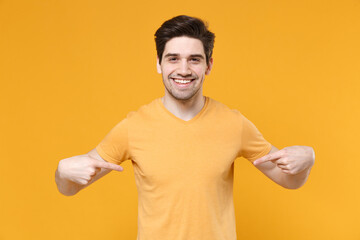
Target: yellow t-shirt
184, 169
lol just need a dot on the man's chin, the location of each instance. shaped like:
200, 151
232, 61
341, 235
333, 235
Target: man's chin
183, 97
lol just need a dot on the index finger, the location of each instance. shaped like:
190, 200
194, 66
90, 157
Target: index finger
268, 157
108, 165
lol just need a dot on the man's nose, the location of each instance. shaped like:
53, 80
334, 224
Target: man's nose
184, 68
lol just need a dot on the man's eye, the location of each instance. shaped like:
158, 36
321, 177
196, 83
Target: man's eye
172, 59
195, 59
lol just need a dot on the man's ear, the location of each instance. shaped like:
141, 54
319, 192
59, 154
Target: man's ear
158, 67
209, 67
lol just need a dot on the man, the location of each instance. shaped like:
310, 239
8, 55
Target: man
183, 147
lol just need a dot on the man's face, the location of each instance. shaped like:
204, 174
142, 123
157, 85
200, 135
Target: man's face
183, 67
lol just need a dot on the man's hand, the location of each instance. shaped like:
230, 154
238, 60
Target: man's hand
82, 169
291, 160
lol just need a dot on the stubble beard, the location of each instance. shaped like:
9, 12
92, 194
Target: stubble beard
178, 94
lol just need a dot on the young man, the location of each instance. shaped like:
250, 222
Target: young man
183, 147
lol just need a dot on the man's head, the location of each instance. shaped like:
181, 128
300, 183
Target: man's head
184, 26
184, 48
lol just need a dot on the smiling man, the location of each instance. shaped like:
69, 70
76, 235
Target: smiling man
183, 67
183, 146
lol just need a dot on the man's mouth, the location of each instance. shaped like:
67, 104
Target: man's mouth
182, 81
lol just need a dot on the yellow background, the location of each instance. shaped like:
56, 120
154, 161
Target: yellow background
71, 70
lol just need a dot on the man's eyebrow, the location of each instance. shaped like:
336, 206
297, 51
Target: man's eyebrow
176, 55
197, 55
171, 55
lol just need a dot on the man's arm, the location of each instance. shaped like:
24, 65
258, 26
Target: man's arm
78, 172
289, 167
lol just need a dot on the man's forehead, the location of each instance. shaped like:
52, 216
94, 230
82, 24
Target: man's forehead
184, 46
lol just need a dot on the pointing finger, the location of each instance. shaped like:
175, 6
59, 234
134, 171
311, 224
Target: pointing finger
108, 165
269, 157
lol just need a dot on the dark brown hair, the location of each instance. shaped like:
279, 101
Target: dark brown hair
184, 26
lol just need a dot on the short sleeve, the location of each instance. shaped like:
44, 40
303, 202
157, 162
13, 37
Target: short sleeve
253, 144
114, 147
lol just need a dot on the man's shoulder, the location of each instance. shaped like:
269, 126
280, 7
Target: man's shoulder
222, 108
145, 110
222, 116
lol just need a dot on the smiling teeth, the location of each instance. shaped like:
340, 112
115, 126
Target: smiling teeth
182, 81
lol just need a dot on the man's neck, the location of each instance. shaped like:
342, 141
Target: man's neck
184, 109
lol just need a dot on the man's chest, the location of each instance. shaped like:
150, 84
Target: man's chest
164, 155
